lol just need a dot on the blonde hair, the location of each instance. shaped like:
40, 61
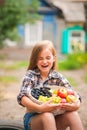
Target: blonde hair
36, 51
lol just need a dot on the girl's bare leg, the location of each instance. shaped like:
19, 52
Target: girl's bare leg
70, 119
44, 121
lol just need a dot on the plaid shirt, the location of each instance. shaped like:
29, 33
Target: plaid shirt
33, 79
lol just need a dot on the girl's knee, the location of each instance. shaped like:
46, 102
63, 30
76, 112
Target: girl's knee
47, 119
72, 116
47, 116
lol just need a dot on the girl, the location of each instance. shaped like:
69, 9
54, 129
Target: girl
41, 71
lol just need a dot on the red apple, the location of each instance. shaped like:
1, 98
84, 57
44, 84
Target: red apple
62, 92
70, 92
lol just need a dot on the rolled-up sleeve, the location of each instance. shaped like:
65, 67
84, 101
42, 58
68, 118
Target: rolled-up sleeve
27, 83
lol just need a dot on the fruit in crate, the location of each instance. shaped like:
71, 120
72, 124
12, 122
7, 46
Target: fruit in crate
54, 92
57, 95
43, 98
55, 99
44, 91
62, 92
63, 100
70, 92
71, 98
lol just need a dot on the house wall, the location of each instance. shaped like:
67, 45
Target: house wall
49, 28
70, 24
60, 27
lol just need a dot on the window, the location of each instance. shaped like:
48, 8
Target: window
33, 33
76, 41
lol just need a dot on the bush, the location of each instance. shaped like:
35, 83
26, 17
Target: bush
73, 61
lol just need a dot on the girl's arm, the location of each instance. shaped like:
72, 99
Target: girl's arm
29, 104
45, 107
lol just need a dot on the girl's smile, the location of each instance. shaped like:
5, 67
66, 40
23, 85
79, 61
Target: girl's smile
45, 61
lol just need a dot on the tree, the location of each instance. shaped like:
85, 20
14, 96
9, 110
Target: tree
13, 13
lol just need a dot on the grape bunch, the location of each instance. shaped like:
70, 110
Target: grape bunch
44, 91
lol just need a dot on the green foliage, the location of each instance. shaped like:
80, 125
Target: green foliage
73, 61
16, 12
7, 79
72, 81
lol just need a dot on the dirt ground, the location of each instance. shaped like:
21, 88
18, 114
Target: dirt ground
9, 108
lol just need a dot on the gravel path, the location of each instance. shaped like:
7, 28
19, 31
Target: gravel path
9, 108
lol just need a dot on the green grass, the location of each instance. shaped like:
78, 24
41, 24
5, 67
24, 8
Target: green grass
13, 66
8, 79
73, 61
2, 57
72, 81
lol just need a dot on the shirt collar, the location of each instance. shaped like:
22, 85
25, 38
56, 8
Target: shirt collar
52, 73
35, 71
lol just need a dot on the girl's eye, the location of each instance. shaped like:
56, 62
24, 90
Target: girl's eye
40, 58
48, 58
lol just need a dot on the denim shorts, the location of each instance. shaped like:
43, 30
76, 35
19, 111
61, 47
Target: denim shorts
27, 119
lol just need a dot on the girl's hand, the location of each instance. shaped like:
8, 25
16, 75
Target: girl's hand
49, 106
70, 106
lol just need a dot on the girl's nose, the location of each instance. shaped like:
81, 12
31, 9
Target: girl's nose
44, 61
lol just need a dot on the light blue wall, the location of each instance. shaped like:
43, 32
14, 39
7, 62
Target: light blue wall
49, 28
